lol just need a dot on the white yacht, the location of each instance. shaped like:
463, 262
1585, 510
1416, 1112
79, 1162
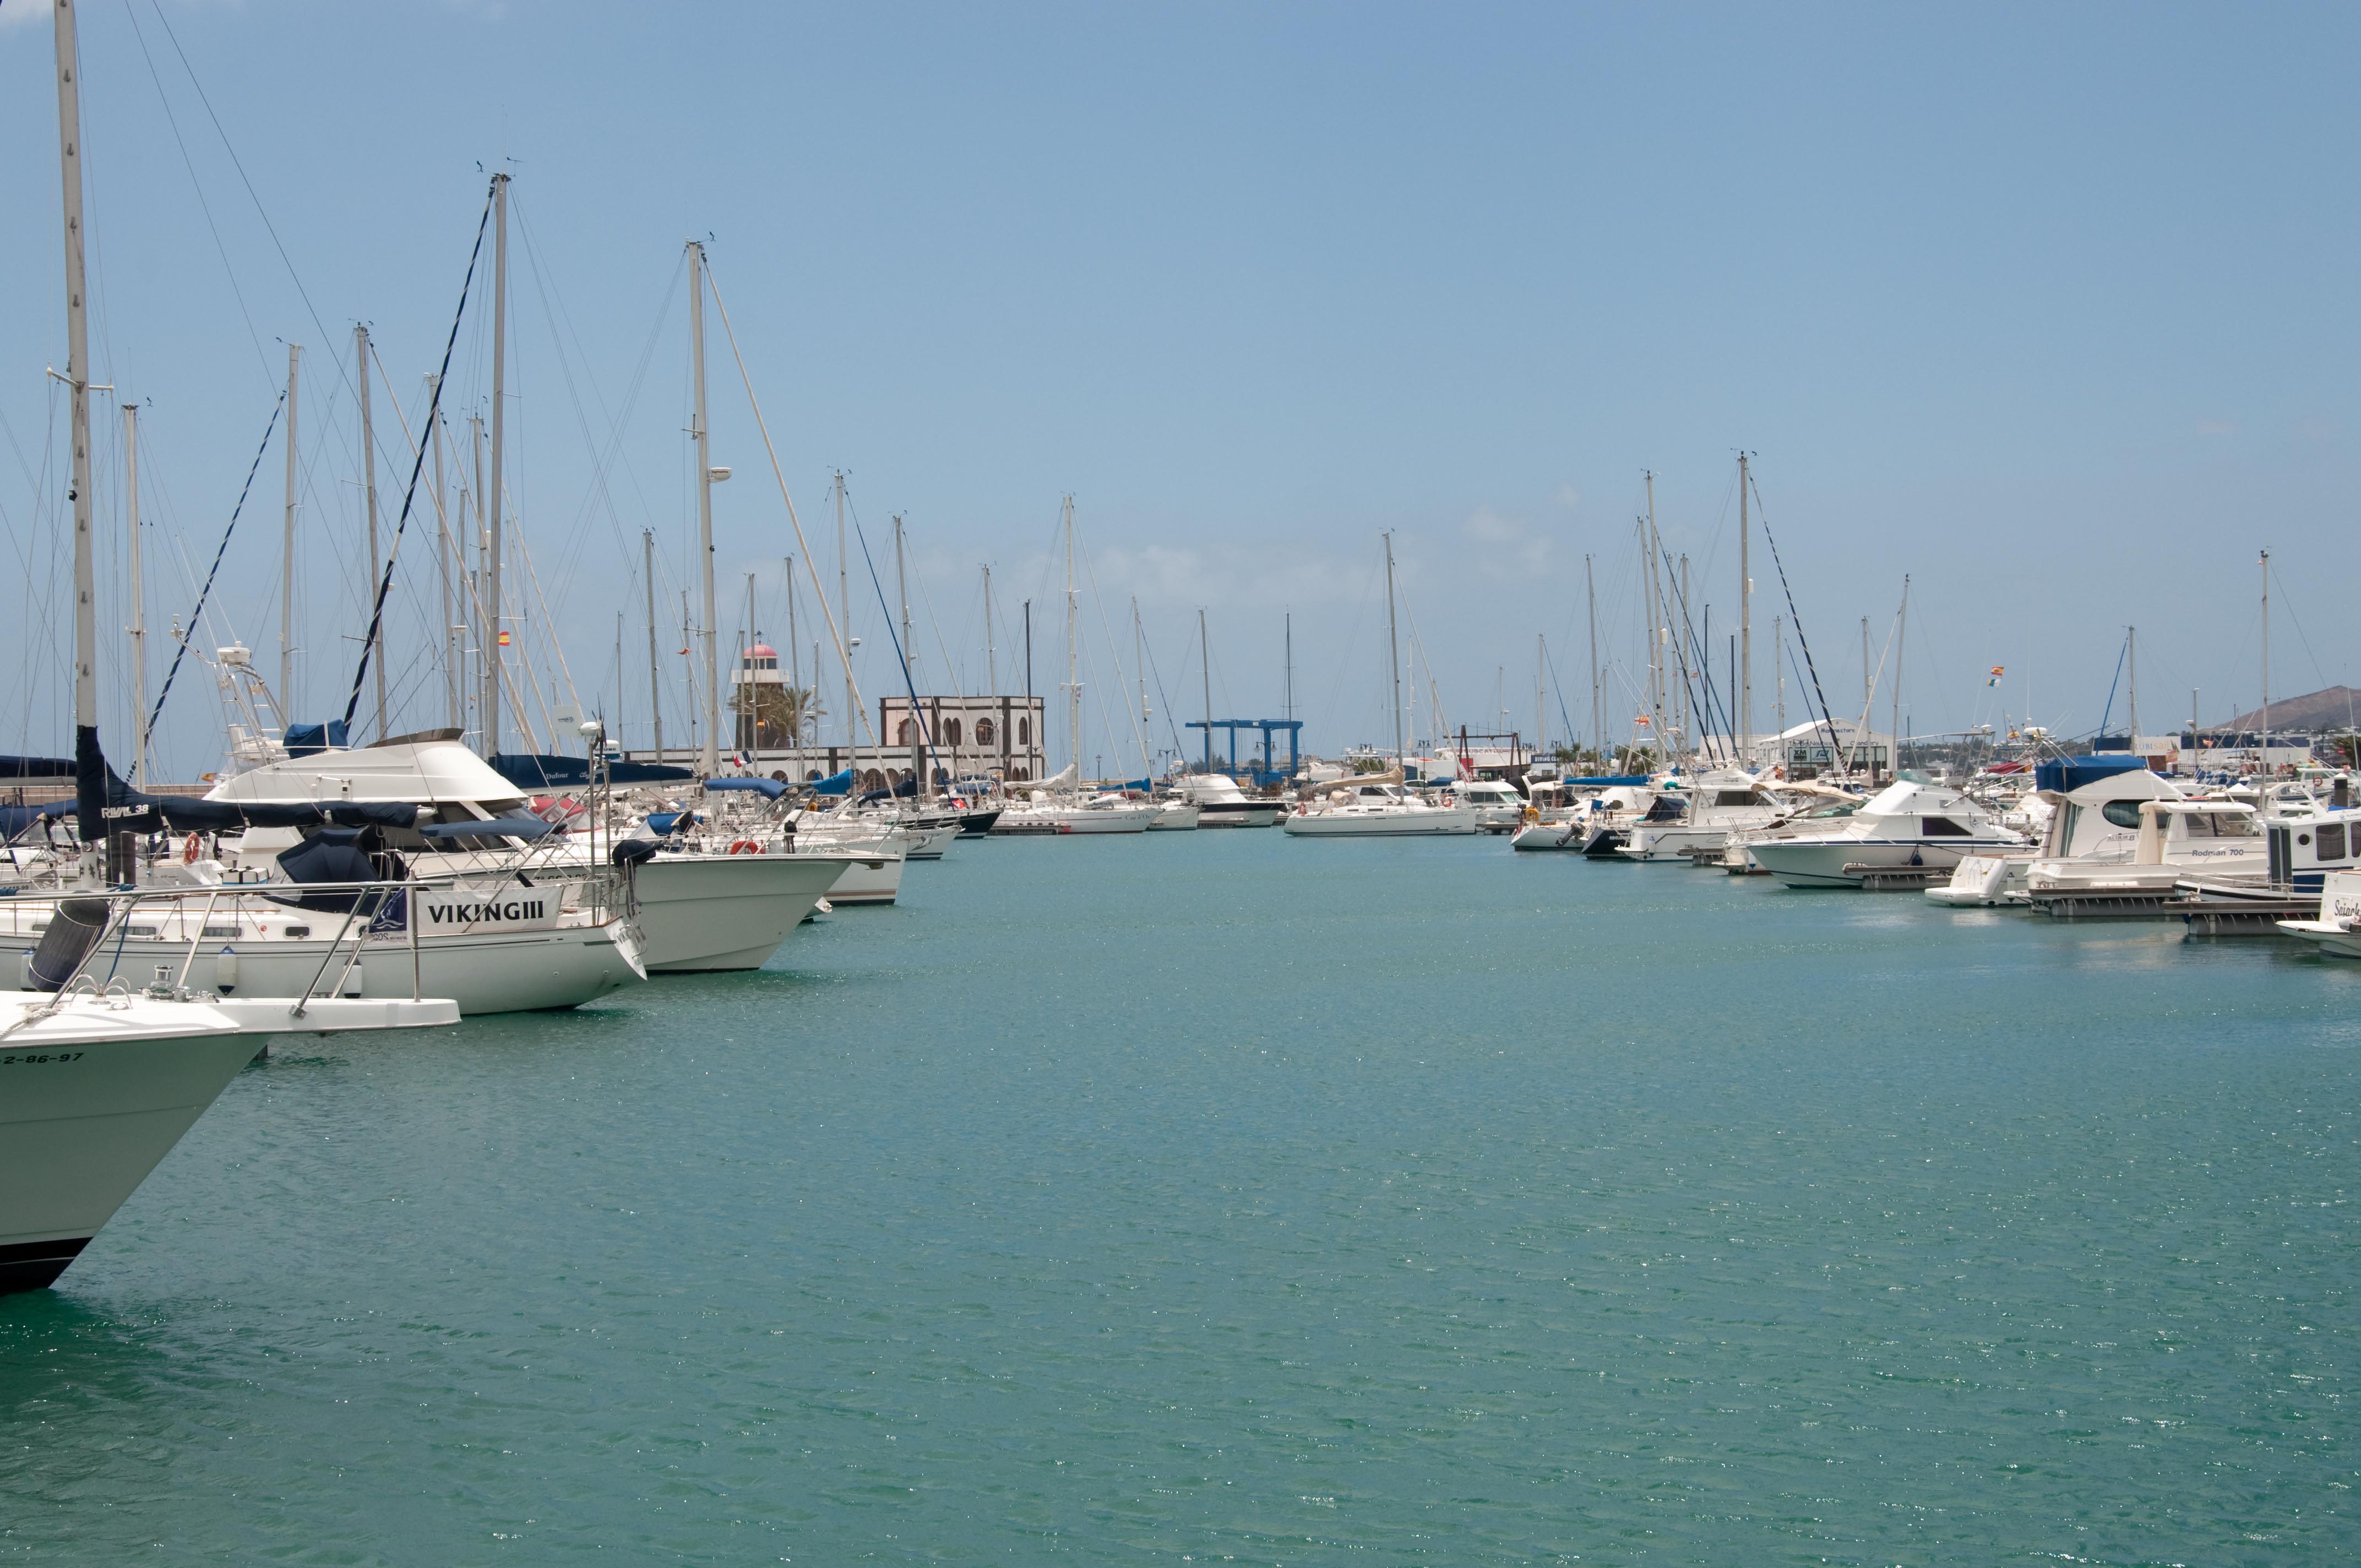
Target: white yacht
1908, 823
1220, 802
2091, 816
695, 912
1176, 817
2338, 930
1374, 810
1498, 807
101, 1086
1058, 806
1709, 809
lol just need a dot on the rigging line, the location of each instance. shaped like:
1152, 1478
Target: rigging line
409, 495
818, 590
261, 211
1138, 733
203, 205
182, 648
1166, 703
1796, 620
549, 634
917, 714
601, 492
2109, 711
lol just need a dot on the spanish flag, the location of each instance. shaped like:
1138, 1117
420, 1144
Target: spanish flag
1997, 671
504, 639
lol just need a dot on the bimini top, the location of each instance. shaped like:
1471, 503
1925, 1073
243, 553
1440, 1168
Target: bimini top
2066, 775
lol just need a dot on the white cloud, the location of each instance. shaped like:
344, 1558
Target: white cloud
22, 13
1509, 547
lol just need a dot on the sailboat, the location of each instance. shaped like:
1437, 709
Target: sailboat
1058, 805
1377, 806
101, 1087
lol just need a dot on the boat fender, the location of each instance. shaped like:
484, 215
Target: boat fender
225, 970
190, 848
745, 847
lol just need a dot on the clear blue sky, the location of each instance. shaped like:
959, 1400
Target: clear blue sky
2049, 307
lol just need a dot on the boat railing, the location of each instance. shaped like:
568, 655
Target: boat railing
367, 906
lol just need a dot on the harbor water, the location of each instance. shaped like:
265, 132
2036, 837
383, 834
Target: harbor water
1219, 1197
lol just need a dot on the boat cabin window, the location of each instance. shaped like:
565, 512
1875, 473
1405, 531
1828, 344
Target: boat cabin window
1942, 828
2218, 825
1845, 809
2331, 840
2122, 813
1738, 797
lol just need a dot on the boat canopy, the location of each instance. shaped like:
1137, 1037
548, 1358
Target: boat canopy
536, 771
310, 739
835, 784
2066, 775
525, 828
770, 789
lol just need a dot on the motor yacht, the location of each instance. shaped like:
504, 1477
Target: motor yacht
1908, 823
1498, 807
1220, 802
100, 1086
696, 909
1373, 810
1701, 815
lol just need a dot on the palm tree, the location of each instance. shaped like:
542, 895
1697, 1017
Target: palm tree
781, 713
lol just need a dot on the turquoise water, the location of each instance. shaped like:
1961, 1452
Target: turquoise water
1226, 1197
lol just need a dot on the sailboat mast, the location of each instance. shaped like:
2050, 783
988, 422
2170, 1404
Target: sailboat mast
710, 759
139, 628
2265, 758
844, 618
489, 490
1590, 593
795, 674
902, 587
1393, 651
1140, 668
655, 680
2131, 657
1745, 621
1659, 634
1541, 712
89, 825
369, 485
1073, 653
991, 654
287, 556
1901, 629
444, 543
1205, 670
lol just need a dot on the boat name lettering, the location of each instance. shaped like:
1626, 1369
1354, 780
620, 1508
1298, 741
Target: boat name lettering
494, 909
44, 1057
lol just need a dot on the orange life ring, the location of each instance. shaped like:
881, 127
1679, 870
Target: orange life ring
190, 849
745, 847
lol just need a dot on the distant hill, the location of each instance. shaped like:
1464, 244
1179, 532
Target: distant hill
2336, 708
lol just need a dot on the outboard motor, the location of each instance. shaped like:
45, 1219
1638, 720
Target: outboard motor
73, 931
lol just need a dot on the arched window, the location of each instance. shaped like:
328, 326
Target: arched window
1018, 773
950, 731
872, 779
1025, 732
904, 733
983, 731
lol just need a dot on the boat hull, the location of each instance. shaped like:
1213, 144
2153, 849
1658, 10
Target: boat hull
1240, 814
93, 1097
708, 914
1824, 862
527, 972
1350, 824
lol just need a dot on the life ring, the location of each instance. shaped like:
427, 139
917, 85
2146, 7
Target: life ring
190, 849
745, 847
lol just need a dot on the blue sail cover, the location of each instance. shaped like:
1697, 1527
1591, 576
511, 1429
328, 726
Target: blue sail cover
771, 788
534, 770
310, 739
2066, 775
835, 784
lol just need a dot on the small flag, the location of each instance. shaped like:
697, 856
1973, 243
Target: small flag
1642, 720
1997, 671
504, 639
